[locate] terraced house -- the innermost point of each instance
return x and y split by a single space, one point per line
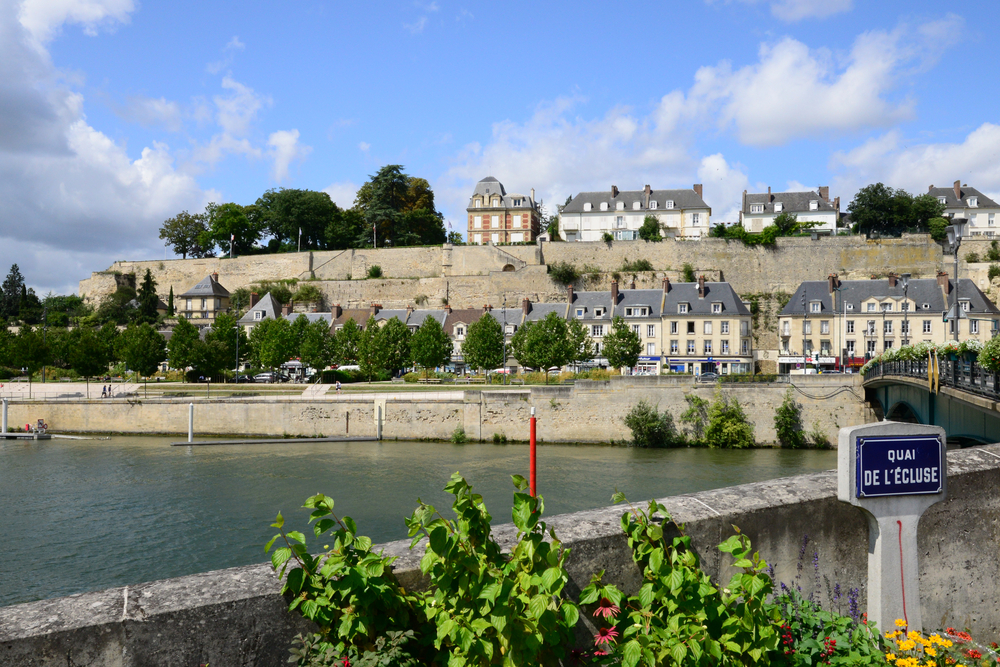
590 215
759 209
961 201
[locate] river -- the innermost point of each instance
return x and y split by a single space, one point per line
91 514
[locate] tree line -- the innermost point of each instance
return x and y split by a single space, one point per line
392 208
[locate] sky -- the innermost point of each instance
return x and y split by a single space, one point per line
118 114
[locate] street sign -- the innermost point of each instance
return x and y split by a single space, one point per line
898 466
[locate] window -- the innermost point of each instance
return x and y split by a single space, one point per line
870 331
807 327
690 327
496 202
620 206
926 306
635 329
905 306
871 346
886 346
871 307
690 347
188 305
258 314
620 222
824 327
650 331
652 204
904 327
786 328
682 308
744 328
459 331
516 220
824 347
927 326
850 326
778 206
674 348
965 306
579 312
708 347
745 347
588 206
943 200
756 208
478 203
673 327
628 312
495 221
494 238
477 238
808 346
635 205
716 308
695 219
887 328
850 306
477 222
850 348
651 349
973 202
598 312
708 328
991 219
814 205
815 307
973 326
887 307
597 349
724 328
203 304
604 206
670 204
596 330
724 347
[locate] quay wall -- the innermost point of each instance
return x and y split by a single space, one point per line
235 617
588 411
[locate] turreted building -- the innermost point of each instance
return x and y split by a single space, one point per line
496 216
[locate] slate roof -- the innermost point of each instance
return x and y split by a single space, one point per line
418 316
714 293
921 291
591 300
792 202
683 199
312 317
540 310
490 186
513 315
267 305
207 287
953 202
359 315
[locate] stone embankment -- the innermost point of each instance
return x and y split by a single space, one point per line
236 617
588 411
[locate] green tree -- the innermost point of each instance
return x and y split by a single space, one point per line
87 353
345 229
210 359
788 423
651 428
10 293
230 223
371 356
299 326
650 229
232 338
316 347
111 339
119 307
181 349
400 208
581 344
272 343
923 209
696 416
787 223
148 300
622 345
345 343
483 347
288 212
544 344
29 307
30 351
170 303
728 426
430 346
143 348
65 310
394 340
183 233
455 238
878 209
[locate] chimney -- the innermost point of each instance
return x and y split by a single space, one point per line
614 293
824 192
532 194
769 194
646 192
375 307
448 309
666 284
487 308
958 190
286 309
942 279
701 286
930 187
409 311
892 279
698 189
836 204
254 298
526 306
569 294
632 285
833 282
215 274
336 311
614 191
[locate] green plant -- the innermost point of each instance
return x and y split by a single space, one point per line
688 272
989 356
374 271
652 428
993 254
696 416
499 438
993 272
607 238
308 294
650 229
564 273
788 423
818 437
679 617
811 635
637 265
458 436
728 426
972 257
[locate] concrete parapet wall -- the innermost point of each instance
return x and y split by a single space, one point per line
236 617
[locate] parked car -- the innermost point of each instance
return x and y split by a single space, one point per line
265 377
708 377
244 378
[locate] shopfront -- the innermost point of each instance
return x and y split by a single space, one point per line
723 366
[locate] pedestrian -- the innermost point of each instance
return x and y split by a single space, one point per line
104 391
338 386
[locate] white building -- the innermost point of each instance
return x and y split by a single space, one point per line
961 201
589 215
759 209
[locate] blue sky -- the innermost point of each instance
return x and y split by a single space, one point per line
116 114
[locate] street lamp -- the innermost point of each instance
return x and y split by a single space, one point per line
906 309
843 322
955 232
805 323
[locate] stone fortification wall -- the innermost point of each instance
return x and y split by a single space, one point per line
585 412
750 270
236 617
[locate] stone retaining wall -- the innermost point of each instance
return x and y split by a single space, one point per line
235 617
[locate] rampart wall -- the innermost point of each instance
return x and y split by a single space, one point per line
235 617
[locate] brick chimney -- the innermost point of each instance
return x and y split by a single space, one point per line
487 308
448 309
646 192
631 285
930 187
666 284
286 309
526 306
892 279
769 194
569 294
701 286
832 282
374 308
409 311
824 192
942 280
614 293
215 274
698 189
254 299
336 311
836 203
958 190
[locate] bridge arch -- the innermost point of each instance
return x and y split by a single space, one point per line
903 412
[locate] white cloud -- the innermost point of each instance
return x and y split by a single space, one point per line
43 18
364 146
235 113
723 187
342 194
149 112
417 26
791 11
229 52
428 6
285 148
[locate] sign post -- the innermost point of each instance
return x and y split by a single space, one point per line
893 472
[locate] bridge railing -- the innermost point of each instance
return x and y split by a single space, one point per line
961 374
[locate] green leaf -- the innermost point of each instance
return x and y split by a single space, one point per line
618 497
646 595
520 483
439 540
538 605
678 652
295 580
570 614
552 576
676 579
297 536
279 522
656 560
267 547
351 526
280 556
631 654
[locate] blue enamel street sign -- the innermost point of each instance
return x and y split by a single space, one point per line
898 465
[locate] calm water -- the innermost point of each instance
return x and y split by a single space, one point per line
85 515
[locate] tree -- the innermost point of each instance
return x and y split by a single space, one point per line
394 340
119 307
287 212
483 347
10 304
878 209
728 426
148 300
787 223
938 228
272 343
400 209
622 345
345 229
86 353
170 303
788 423
30 352
455 238
430 346
183 233
923 209
110 339
316 346
230 223
29 307
143 348
420 227
235 346
299 326
345 343
181 352
545 344
650 229
580 343
371 356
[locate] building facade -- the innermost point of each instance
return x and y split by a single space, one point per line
961 201
825 321
760 209
203 302
498 217
591 215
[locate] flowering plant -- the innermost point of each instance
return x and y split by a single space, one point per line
989 356
952 648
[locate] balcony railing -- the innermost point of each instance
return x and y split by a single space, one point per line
959 373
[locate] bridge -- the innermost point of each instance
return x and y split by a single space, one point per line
958 395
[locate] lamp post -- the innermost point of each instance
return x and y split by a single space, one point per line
805 324
906 309
843 325
955 232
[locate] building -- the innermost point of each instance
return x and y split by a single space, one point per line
759 209
591 215
203 302
961 201
498 217
858 319
266 308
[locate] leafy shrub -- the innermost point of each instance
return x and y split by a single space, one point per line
818 437
607 237
652 428
499 438
993 254
788 423
458 436
688 271
994 271
728 426
564 273
374 271
308 294
989 356
972 257
696 416
637 265
811 635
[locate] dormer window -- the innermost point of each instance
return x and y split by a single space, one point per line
598 312
716 308
604 206
778 206
620 206
635 205
652 204
460 331
756 208
965 305
588 206
943 200
496 202
925 306
670 203
579 312
871 307
815 307
887 307
682 308
478 203
814 205
258 314
973 201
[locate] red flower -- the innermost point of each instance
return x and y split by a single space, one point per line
604 636
606 609
973 653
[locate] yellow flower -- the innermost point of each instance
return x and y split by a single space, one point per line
907 645
890 657
929 651
900 623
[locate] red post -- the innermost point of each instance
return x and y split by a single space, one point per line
531 465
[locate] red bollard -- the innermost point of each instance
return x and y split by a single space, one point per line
531 473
